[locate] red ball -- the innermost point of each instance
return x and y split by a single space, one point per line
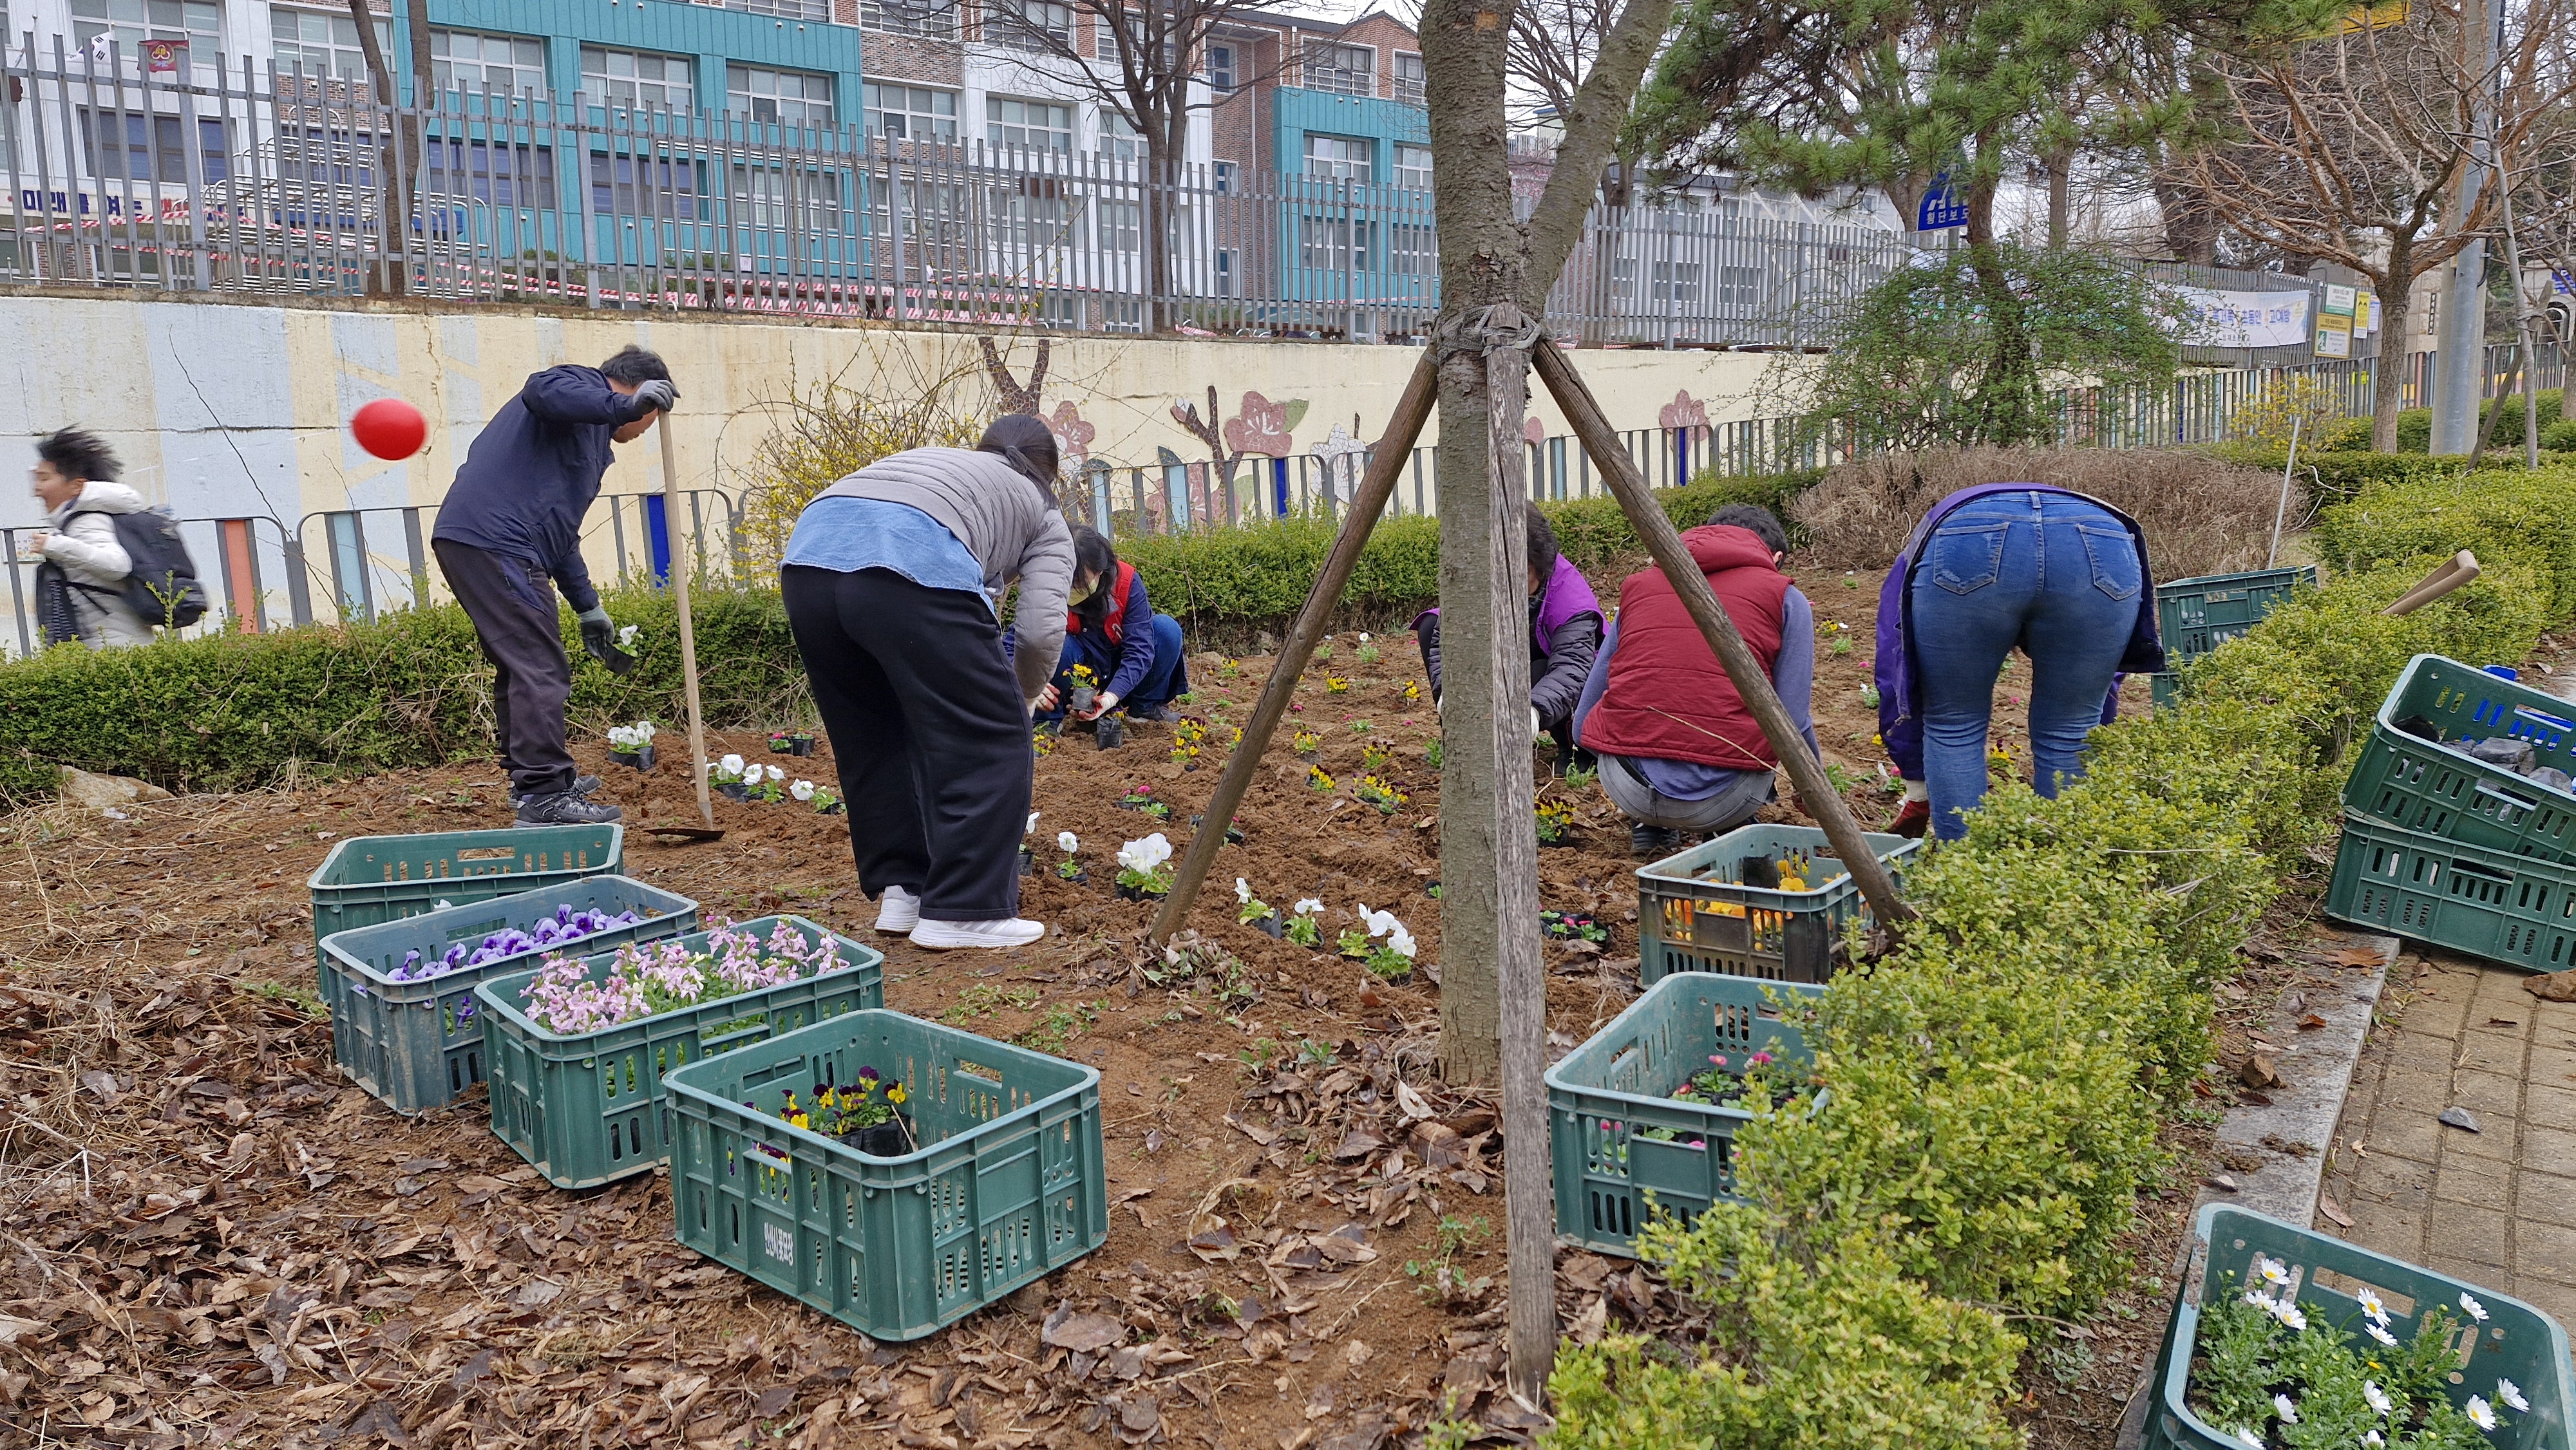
390 428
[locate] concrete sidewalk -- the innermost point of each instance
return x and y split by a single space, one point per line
2496 1207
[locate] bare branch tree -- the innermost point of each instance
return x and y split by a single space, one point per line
2352 149
1142 63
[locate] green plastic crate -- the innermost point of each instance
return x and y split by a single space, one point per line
2517 910
367 880
2195 616
1009 1186
1622 1081
2406 780
419 1044
1693 915
2516 1341
588 1110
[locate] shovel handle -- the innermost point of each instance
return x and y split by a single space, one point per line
2459 569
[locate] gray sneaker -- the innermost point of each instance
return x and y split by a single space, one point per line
565 808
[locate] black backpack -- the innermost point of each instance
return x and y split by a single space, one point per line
162 586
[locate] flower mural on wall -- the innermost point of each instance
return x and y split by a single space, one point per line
1684 411
1342 457
1073 436
1263 426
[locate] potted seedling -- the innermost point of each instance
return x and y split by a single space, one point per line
792 742
1084 690
1317 780
1571 926
1389 960
1233 833
1310 746
1555 823
1111 731
1336 685
827 801
631 745
767 783
1070 868
728 777
1305 924
1028 858
867 1114
1144 869
1187 737
1256 913
1368 651
1375 791
1141 798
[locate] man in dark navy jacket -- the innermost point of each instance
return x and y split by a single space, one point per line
510 524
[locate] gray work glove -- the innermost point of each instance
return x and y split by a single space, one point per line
655 395
599 636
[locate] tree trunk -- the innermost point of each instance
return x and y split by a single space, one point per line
387 279
2060 195
2191 233
2006 411
2388 374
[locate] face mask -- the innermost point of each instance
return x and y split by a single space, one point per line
1082 591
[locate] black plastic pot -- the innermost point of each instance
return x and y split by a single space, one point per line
634 759
798 744
1080 698
885 1140
1130 893
1028 862
1079 878
834 809
1400 979
1233 834
733 790
1272 926
1113 732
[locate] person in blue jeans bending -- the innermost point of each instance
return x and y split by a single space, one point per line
2061 576
1132 653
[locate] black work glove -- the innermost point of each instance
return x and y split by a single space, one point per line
599 637
655 395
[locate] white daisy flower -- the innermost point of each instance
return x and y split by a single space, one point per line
2373 1305
2481 1414
2248 1437
2272 1270
2477 1311
2372 1439
2286 1408
2380 1333
2378 1398
2511 1394
2290 1314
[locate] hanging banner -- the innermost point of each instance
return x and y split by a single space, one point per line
2247 319
161 57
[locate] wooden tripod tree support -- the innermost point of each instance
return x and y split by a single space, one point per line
1377 485
1664 541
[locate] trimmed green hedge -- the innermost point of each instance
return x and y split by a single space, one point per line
232 710
1985 1103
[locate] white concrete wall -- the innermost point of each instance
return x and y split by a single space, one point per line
222 410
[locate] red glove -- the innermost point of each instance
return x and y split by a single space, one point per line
1912 821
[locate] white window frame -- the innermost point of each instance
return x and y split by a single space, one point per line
1412 89
604 92
1028 24
1412 178
445 37
1224 82
204 42
1337 72
742 98
1057 132
340 61
934 19
1361 170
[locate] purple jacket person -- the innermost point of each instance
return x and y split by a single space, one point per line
1565 633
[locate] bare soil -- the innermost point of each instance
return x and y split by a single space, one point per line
208 1237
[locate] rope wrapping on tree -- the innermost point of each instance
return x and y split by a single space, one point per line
1489 329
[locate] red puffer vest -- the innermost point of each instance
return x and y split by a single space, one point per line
1113 622
1667 697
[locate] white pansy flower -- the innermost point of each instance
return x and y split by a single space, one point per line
1145 855
2481 1414
1379 922
1363 636
777 772
1309 906
2378 1397
2511 1394
626 637
1032 825
2380 1333
2286 1408
1400 942
1067 842
1242 891
803 790
2477 1311
730 765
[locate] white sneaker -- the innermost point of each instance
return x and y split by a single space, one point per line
898 911
1012 932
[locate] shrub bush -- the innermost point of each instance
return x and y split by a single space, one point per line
2202 515
1985 1100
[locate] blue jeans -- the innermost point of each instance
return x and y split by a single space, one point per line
1163 679
2057 577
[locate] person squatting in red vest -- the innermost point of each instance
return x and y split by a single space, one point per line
1132 653
1565 632
1679 751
